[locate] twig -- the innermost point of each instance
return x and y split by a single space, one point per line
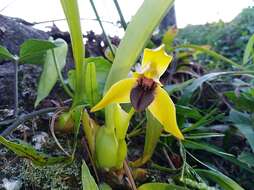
16 90
183 154
52 126
102 28
129 175
169 160
63 19
23 118
123 23
7 5
164 169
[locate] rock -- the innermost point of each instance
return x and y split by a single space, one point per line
14 32
11 184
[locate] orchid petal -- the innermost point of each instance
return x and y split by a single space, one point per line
163 109
155 62
118 93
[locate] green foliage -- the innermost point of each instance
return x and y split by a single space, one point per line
54 60
243 101
106 148
72 15
104 186
196 116
5 54
133 42
91 85
225 182
153 133
247 157
25 150
34 51
160 186
102 69
248 56
243 122
88 182
229 39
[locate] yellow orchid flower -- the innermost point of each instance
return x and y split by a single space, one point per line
144 90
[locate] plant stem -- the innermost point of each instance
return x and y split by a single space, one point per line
23 118
16 91
123 23
164 169
129 175
67 90
183 154
102 28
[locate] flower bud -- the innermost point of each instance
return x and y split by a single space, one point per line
65 122
106 148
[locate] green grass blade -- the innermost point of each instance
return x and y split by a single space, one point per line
225 182
249 51
160 186
210 53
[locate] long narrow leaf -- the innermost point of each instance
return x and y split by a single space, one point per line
153 132
25 150
88 181
209 52
137 34
160 186
225 182
72 15
188 91
249 51
215 150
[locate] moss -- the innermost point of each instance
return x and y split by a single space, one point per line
51 177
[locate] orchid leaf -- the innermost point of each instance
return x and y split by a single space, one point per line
88 182
49 76
71 12
91 87
225 182
26 150
133 42
160 186
102 69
